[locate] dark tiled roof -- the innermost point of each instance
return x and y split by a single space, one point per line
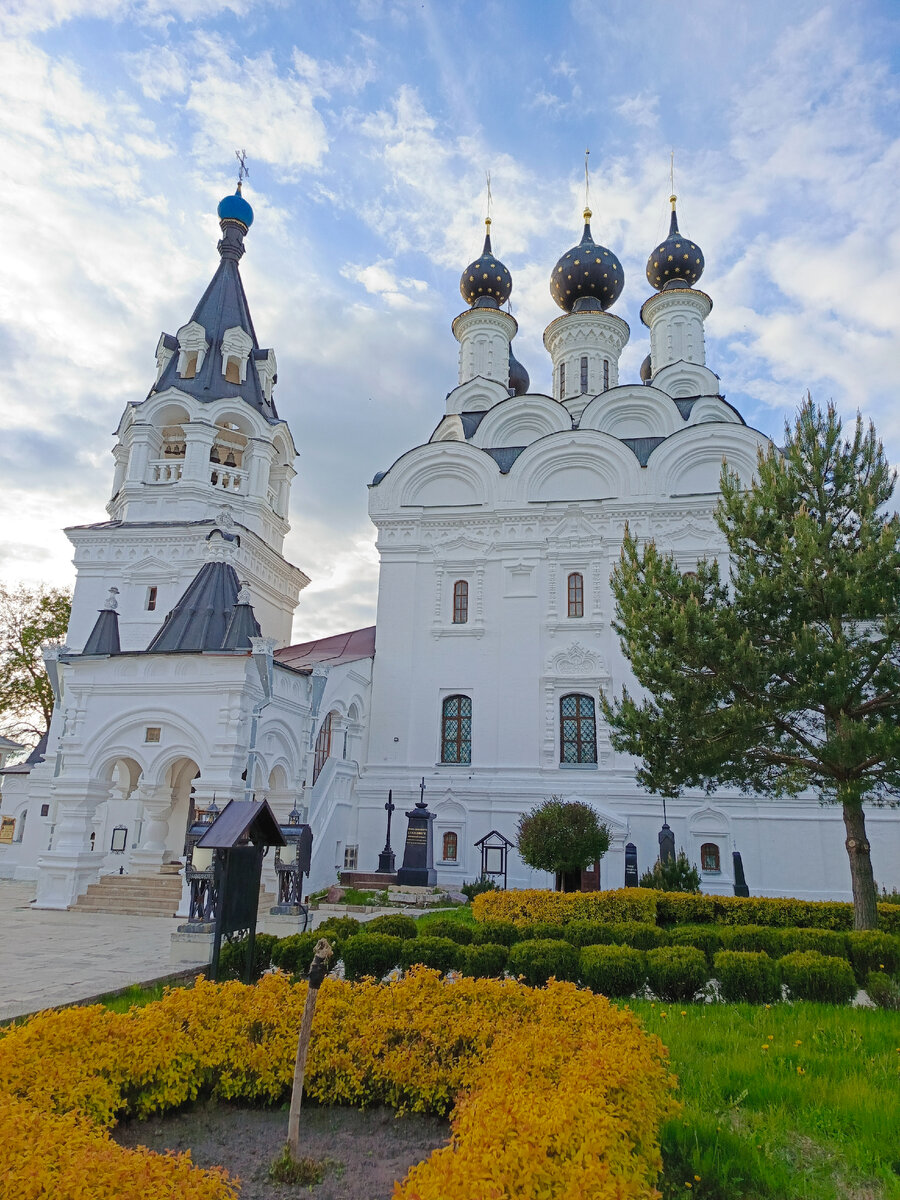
207 615
471 421
642 447
338 648
504 456
104 637
35 757
222 306
685 406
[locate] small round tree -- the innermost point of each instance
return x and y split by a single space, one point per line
563 837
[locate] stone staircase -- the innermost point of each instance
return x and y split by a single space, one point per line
133 895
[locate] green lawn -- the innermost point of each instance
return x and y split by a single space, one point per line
793 1101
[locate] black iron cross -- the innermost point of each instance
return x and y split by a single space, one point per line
422 791
390 806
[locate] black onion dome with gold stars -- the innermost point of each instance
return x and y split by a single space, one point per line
676 262
587 276
486 277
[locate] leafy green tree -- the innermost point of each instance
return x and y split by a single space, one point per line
783 674
29 617
561 836
676 875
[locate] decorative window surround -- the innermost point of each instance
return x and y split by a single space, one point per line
455 562
573 669
191 340
236 344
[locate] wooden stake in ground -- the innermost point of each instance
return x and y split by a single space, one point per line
317 972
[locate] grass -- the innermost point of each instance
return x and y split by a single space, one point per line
792 1102
300 1172
462 914
137 997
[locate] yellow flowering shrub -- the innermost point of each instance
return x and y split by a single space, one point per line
552 1087
671 908
558 908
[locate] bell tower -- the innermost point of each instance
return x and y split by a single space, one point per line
203 468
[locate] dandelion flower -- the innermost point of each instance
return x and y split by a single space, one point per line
800 1071
684 1012
771 1037
764 1046
696 1178
798 1042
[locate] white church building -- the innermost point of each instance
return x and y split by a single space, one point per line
493 644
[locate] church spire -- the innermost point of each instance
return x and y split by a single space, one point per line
217 354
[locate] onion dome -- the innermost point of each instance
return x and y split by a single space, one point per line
486 283
588 277
236 208
519 379
676 262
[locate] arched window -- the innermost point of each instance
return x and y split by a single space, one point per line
323 747
709 857
450 847
460 602
576 594
562 381
577 730
456 729
584 374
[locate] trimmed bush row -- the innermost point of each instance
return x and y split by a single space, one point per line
671 908
672 972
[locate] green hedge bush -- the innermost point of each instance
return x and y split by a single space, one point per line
826 941
543 931
814 976
371 954
590 933
442 928
337 930
613 970
539 958
676 972
707 938
753 939
873 950
441 953
639 935
484 961
883 991
232 956
747 975
394 925
502 933
294 954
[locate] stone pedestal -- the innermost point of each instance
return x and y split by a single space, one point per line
418 854
70 866
192 944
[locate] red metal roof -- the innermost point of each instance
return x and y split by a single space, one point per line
339 648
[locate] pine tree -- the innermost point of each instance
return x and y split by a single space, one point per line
783 675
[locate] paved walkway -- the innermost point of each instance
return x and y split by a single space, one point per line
51 958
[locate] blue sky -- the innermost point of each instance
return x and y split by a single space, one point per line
369 127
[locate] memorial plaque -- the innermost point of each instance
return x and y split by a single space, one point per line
631 870
418 854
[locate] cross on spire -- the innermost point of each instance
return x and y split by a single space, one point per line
243 169
490 198
587 180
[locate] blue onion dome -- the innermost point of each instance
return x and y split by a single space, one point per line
676 262
486 283
588 277
519 379
236 208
